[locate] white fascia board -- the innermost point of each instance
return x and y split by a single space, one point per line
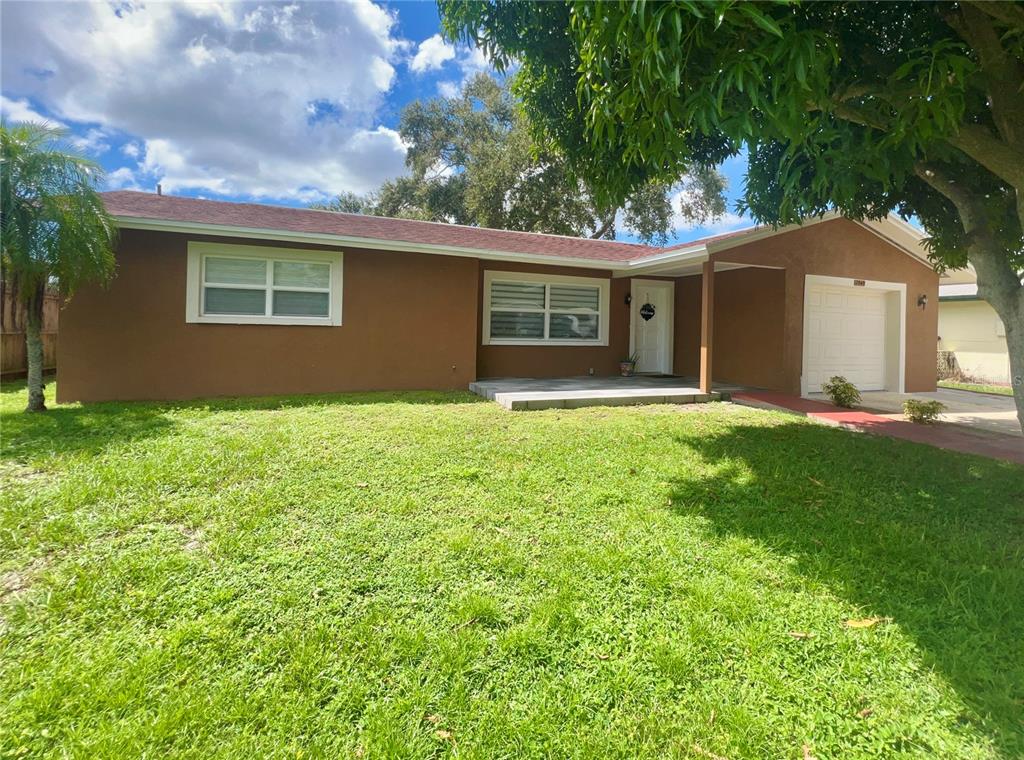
163 225
660 261
901 234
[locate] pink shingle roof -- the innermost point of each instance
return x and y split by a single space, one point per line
130 204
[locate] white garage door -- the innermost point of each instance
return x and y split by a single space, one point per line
845 336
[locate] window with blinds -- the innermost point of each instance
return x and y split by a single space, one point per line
260 287
535 310
242 284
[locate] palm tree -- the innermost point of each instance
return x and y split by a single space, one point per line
54 229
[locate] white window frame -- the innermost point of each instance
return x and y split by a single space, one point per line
602 284
198 252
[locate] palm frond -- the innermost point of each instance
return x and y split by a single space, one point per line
53 224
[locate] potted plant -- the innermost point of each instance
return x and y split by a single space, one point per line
628 365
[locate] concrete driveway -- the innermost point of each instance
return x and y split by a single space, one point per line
979 411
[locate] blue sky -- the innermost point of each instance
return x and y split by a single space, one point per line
284 103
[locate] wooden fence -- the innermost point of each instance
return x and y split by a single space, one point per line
13 356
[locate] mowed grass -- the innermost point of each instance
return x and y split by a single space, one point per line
1001 390
427 575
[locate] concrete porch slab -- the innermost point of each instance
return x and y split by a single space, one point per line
523 393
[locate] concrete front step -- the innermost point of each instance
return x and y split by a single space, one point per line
523 397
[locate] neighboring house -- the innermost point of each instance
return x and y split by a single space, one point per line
971 330
215 299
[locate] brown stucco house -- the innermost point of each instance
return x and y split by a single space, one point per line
222 299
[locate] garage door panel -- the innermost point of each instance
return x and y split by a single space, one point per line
845 336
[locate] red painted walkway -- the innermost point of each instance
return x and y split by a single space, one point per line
941 435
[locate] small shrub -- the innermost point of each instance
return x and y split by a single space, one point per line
922 412
841 391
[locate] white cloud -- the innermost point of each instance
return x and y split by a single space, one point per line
728 222
473 60
93 141
19 109
217 97
448 89
432 54
470 62
122 179
725 223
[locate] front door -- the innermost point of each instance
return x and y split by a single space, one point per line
652 303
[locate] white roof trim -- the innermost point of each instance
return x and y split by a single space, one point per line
899 233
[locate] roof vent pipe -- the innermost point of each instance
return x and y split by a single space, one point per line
159 190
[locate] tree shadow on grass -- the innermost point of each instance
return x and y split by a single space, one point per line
93 428
932 539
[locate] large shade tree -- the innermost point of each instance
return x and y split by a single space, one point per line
857 106
472 161
54 229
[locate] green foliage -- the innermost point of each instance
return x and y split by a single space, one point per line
346 576
839 104
921 411
348 203
863 107
473 161
55 228
841 392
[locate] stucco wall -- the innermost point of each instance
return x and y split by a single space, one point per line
557 361
748 319
841 248
409 321
414 321
970 329
686 355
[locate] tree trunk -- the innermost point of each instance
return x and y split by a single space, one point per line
1006 296
1015 346
999 283
606 226
34 349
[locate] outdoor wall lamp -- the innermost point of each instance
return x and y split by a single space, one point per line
922 301
629 298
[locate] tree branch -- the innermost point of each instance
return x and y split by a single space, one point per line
605 227
1001 72
1008 13
850 113
995 155
998 283
947 187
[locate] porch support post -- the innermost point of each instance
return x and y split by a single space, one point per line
707 310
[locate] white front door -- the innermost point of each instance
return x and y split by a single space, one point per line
846 335
652 304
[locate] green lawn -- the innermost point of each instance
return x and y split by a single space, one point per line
1002 390
424 575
